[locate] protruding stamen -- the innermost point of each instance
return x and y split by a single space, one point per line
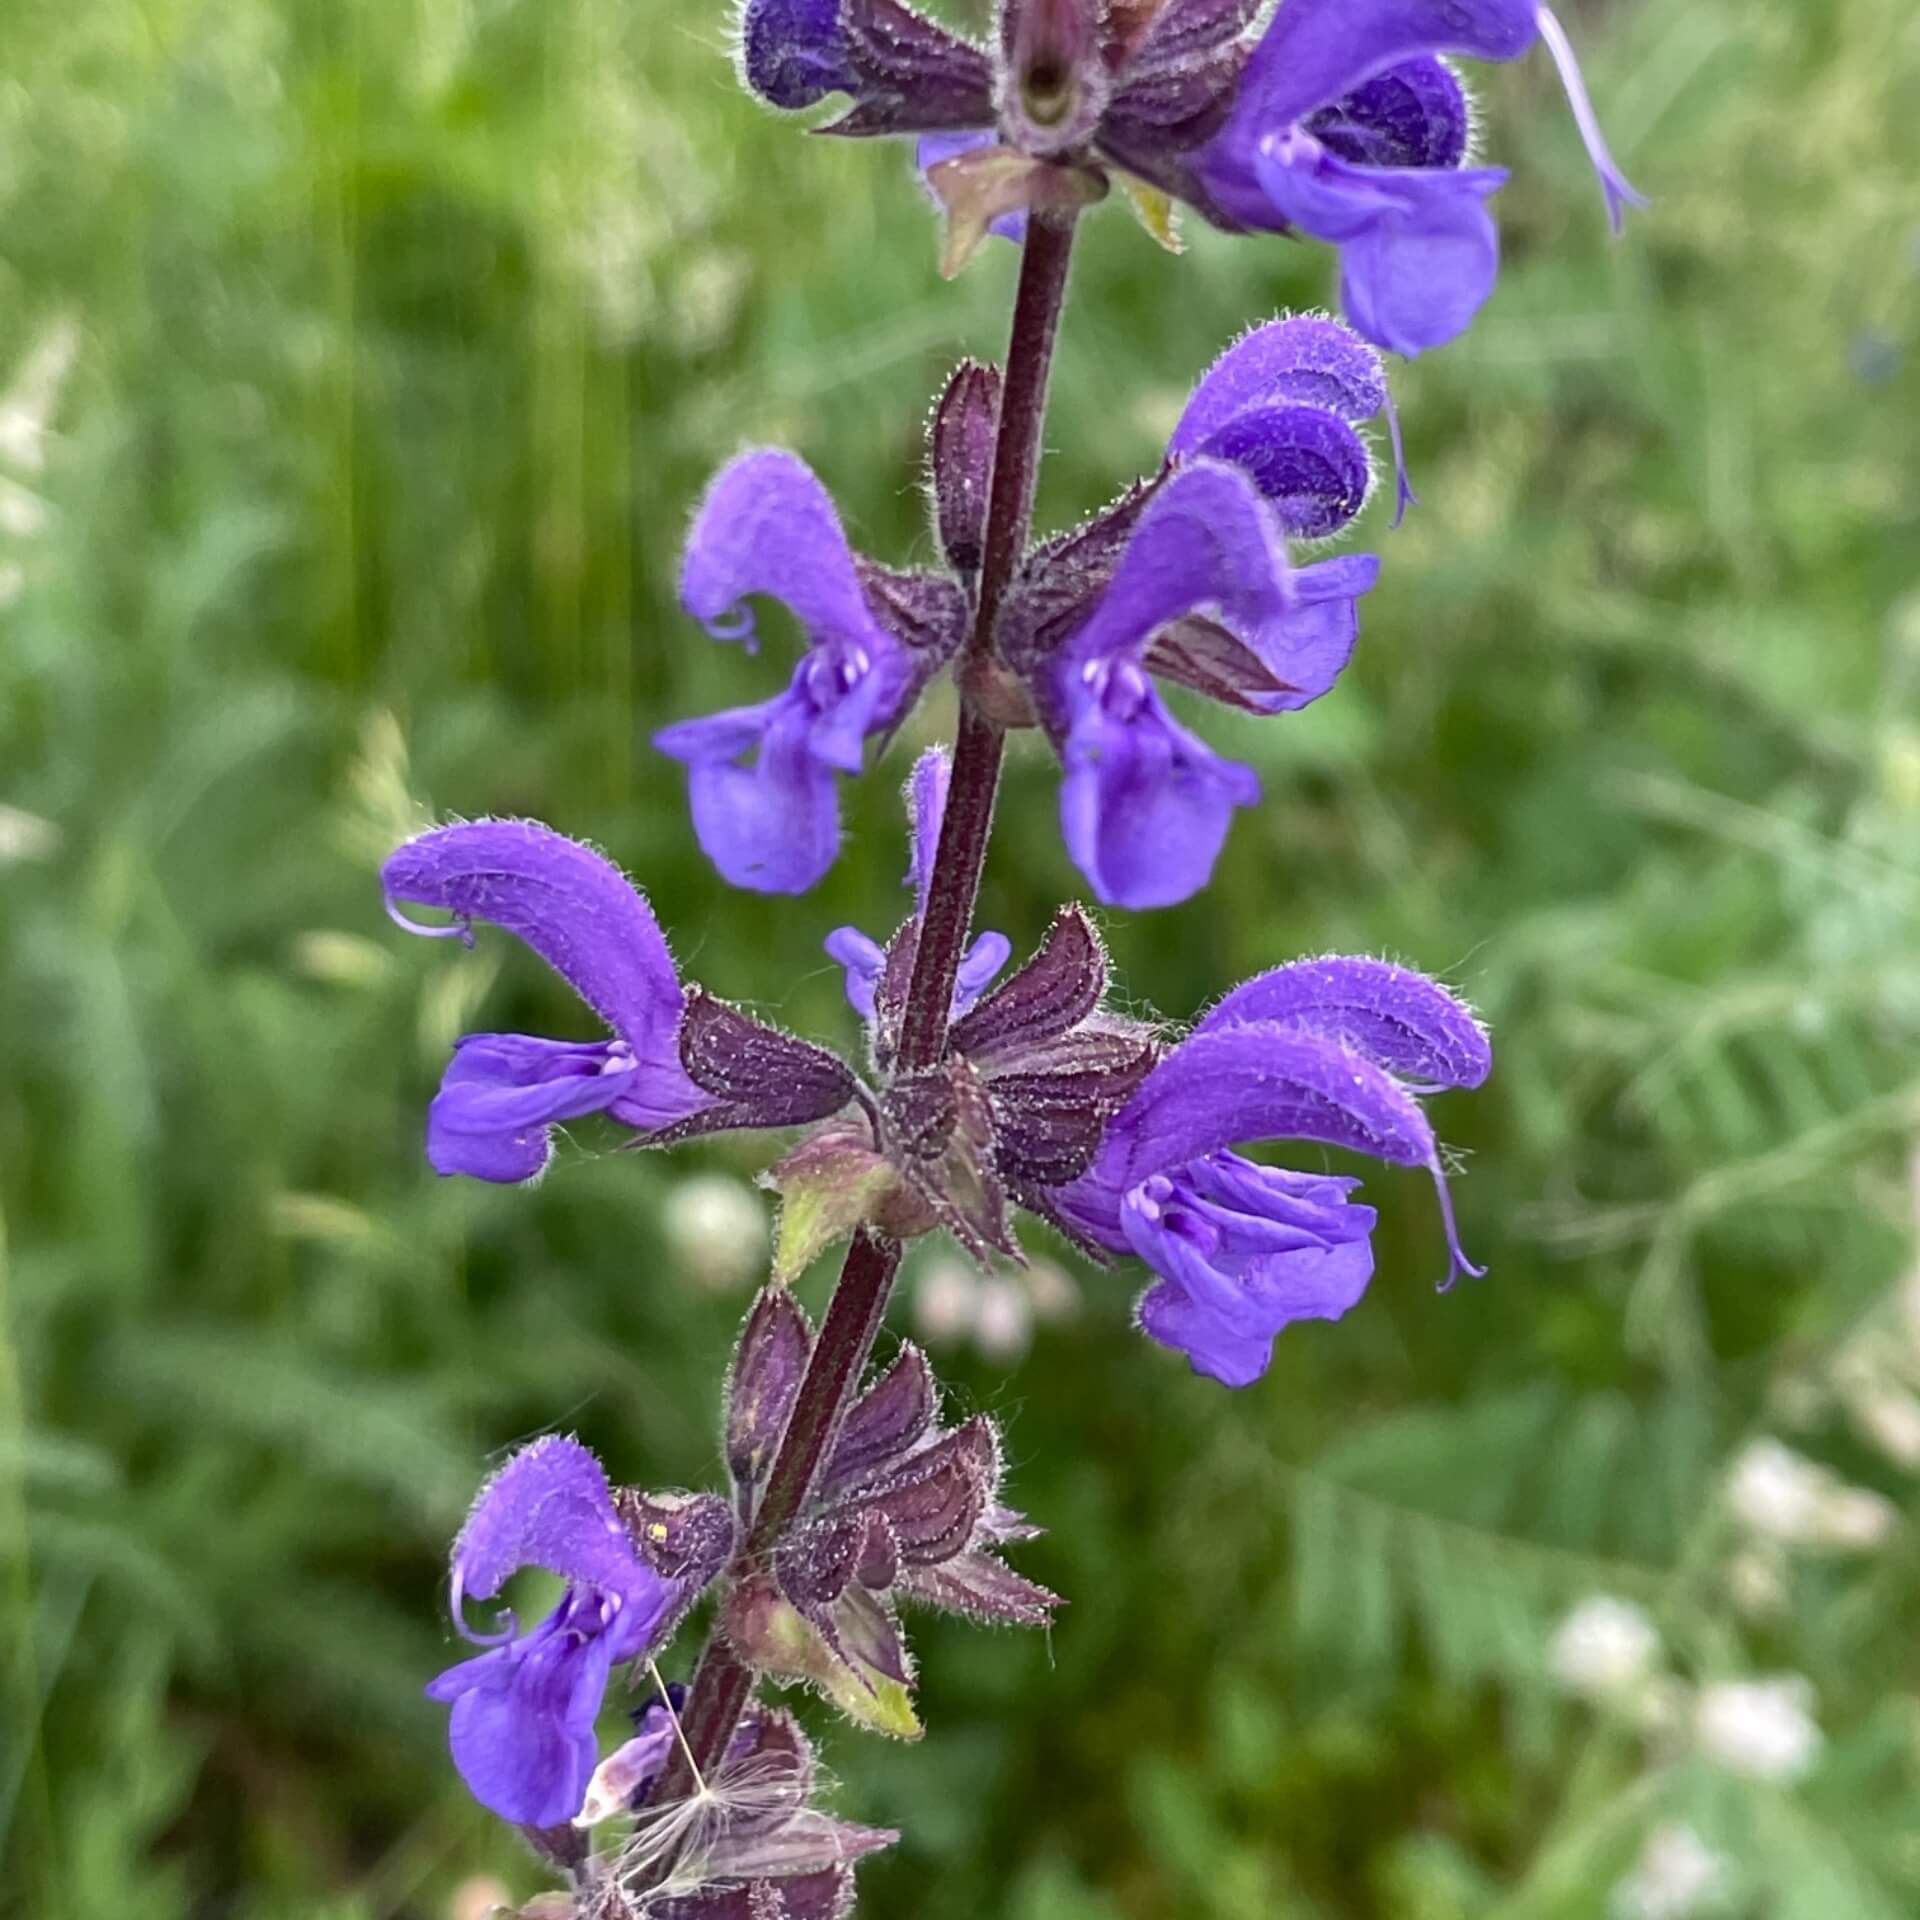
1404 495
1620 191
460 929
457 1605
735 624
1457 1261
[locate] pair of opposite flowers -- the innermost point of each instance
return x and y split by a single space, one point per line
1089 1120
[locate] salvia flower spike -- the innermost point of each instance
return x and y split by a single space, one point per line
987 1091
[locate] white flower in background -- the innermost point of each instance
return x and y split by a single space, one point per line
1604 1650
1782 1495
27 406
1002 1318
954 1303
1676 1877
481 1898
1858 1520
1889 1417
1053 1291
1776 1492
1762 1729
716 1231
23 835
946 1301
1756 1579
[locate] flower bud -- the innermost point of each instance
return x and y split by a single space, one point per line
960 443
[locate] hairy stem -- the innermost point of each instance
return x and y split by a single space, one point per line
968 823
722 1684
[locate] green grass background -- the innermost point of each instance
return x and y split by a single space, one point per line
403 335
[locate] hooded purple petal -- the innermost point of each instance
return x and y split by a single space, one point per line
1318 51
1242 1080
1312 466
573 907
768 526
549 1507
1306 359
501 1092
793 53
1259 1081
1399 1019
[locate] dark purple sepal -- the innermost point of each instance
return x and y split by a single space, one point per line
891 1417
817 1896
1052 993
1179 32
938 1132
1050 1113
758 1076
926 611
1182 72
768 1365
960 443
1059 581
1201 654
933 1502
819 1559
977 1585
908 74
681 1536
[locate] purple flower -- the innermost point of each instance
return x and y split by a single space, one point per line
1331 1050
1187 579
1202 592
523 1712
1348 126
681 1061
761 778
503 1093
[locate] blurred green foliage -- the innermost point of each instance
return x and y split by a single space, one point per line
384 346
